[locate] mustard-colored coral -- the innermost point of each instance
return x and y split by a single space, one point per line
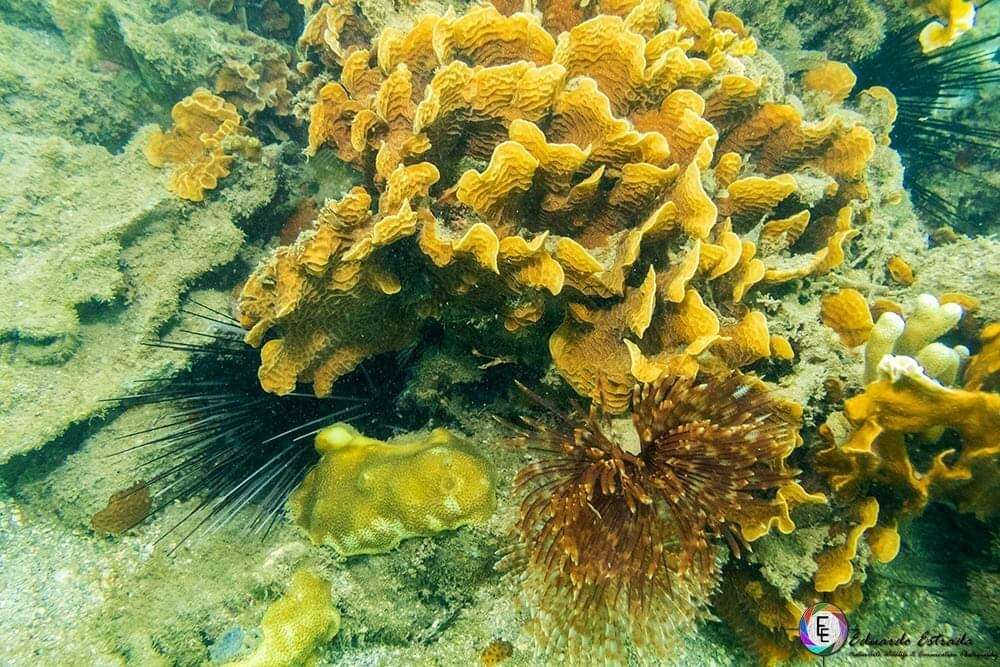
913 404
620 166
956 18
296 624
847 313
911 397
983 372
908 400
365 496
832 78
900 270
194 145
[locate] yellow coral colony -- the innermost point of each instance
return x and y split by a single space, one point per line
634 166
365 496
295 625
958 17
194 146
910 380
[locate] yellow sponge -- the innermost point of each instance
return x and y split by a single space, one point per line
296 624
365 496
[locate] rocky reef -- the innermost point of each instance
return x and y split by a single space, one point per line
753 376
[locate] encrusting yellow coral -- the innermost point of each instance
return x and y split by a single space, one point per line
295 625
194 145
621 166
907 399
958 15
365 496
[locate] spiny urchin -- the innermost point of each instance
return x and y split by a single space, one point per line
941 127
230 445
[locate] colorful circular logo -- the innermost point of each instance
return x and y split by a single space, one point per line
823 629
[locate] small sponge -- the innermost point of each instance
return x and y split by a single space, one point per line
366 496
296 624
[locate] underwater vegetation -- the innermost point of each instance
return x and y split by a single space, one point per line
678 261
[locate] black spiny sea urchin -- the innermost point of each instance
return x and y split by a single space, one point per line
941 130
230 445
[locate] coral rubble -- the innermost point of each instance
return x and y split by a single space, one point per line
365 495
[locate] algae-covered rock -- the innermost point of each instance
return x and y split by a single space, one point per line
188 50
94 253
365 496
846 30
48 92
94 71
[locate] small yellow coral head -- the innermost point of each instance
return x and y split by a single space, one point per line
295 625
365 496
958 15
194 146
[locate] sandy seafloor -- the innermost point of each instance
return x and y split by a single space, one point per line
97 256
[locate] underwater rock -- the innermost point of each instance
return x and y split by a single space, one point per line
844 30
47 91
125 509
365 496
96 254
174 56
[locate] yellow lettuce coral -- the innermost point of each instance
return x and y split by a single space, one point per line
912 403
365 496
622 166
194 145
907 400
296 624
